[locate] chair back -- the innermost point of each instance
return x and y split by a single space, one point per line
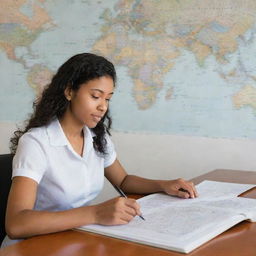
5 184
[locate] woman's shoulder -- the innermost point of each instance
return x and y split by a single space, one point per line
36 134
32 143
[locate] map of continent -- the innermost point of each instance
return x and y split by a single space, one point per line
184 67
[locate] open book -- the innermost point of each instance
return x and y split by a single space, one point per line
184 224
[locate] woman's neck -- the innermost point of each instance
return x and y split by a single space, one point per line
70 126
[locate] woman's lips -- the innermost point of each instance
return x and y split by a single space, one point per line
96 118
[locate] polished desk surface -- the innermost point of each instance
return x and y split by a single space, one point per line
237 241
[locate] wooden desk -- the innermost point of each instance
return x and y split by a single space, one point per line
237 241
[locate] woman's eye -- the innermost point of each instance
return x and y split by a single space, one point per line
108 100
95 97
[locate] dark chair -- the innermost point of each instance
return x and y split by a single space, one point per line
5 184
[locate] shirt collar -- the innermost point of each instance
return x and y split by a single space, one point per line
58 138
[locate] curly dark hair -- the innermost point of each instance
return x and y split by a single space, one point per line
77 70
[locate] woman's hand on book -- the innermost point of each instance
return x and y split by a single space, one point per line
116 211
180 188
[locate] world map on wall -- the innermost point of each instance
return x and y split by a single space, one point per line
185 67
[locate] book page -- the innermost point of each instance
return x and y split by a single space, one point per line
207 190
153 202
215 189
241 205
183 222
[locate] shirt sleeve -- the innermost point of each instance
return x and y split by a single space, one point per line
29 160
110 155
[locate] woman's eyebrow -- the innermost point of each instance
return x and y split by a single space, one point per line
101 91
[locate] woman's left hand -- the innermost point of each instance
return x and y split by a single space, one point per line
180 188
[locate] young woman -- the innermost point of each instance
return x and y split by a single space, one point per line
64 152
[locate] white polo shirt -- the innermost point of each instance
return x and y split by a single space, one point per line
65 179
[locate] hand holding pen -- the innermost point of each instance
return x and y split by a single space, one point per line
116 211
120 191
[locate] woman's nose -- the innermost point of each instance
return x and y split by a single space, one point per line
103 106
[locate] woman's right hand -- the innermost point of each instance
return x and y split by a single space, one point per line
116 211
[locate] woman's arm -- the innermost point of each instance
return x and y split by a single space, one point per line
134 184
22 221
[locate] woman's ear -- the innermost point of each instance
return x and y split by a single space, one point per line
68 93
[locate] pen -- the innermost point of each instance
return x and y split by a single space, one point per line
120 191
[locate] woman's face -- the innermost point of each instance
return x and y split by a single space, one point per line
90 103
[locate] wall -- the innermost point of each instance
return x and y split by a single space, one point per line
169 156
